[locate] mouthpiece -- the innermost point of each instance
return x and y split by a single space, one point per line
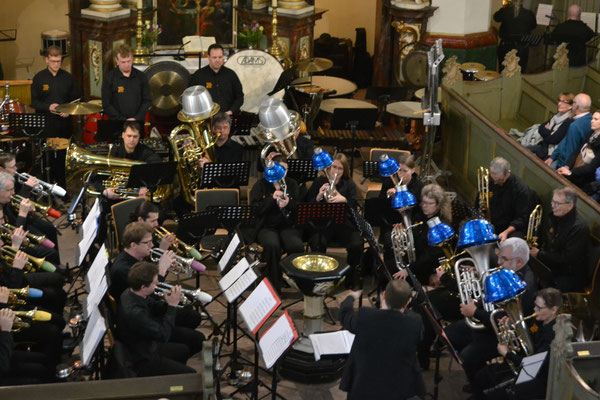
53 213
47 243
195 254
198 266
34 293
42 316
48 267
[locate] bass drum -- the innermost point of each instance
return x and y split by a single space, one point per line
258 71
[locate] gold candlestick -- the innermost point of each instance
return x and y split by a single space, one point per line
275 49
140 54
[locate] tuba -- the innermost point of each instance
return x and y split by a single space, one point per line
80 163
483 187
535 218
278 128
193 139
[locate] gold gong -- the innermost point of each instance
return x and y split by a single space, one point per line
315 263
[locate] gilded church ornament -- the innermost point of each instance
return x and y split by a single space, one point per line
511 64
561 57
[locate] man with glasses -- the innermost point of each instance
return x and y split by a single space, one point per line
565 242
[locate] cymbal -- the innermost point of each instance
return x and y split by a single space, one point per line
314 65
78 108
97 102
167 81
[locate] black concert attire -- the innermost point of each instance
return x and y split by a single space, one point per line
383 360
156 346
275 230
564 250
576 34
126 97
224 87
494 374
345 234
583 168
229 152
19 367
305 148
512 30
550 137
510 205
186 317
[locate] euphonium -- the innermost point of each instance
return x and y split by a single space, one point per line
31 240
180 246
40 210
483 187
400 245
33 263
535 218
188 148
331 192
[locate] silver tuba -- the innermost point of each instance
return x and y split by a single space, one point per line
278 127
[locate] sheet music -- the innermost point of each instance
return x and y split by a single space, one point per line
542 11
95 296
259 306
589 19
97 270
197 44
229 252
94 332
277 339
240 285
338 342
530 367
88 232
234 274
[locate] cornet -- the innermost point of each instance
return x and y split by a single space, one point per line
15 294
194 295
43 187
181 265
31 240
331 192
180 246
39 209
33 263
33 315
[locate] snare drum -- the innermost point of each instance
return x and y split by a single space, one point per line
56 143
469 70
485 76
55 38
258 72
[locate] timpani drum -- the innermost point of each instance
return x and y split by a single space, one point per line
410 113
486 76
258 72
421 92
469 70
332 86
55 38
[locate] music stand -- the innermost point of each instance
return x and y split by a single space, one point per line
225 175
193 227
301 171
354 118
30 125
371 170
331 213
151 176
378 212
231 217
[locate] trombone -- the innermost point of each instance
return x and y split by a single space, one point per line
33 263
180 247
535 218
40 210
31 240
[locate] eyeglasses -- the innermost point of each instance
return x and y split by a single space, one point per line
558 203
536 307
146 242
564 101
502 259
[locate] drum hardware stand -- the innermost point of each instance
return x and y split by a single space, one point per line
352 125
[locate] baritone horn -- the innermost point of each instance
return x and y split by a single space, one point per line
535 219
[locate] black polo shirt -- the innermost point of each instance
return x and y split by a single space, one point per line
126 97
224 87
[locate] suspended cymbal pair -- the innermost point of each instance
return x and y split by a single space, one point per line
314 64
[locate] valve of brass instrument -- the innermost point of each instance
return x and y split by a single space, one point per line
33 263
31 240
40 210
180 247
33 315
20 296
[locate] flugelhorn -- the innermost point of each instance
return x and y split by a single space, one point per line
535 218
195 295
15 296
331 192
180 246
33 315
33 263
39 209
31 240
42 187
181 265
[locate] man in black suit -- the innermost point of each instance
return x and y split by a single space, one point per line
515 22
383 361
576 34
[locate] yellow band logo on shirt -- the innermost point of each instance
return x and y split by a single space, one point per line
45 87
209 85
120 89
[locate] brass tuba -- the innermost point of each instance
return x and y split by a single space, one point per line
193 139
80 163
483 187
535 218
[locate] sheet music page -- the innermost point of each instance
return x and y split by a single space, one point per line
338 342
277 339
197 44
240 285
88 232
589 19
530 367
97 269
94 332
542 11
95 296
229 252
259 306
233 274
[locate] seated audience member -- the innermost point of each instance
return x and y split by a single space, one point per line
345 234
548 303
565 242
581 166
380 365
155 344
577 133
554 130
275 230
510 201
